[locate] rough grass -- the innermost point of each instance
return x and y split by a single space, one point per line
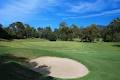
102 59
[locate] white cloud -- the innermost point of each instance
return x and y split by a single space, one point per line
117 11
87 6
95 6
18 8
21 9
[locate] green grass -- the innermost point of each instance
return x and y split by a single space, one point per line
102 59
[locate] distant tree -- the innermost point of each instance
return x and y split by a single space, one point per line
85 36
90 33
45 32
17 30
48 28
52 36
70 34
3 33
65 33
28 31
112 32
76 31
40 32
1 25
56 31
34 33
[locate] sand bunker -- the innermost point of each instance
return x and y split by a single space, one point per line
62 67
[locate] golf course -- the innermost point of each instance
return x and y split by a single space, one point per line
59 39
102 59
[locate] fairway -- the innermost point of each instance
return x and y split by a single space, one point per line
102 59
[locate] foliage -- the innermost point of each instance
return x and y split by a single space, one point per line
19 30
112 32
52 36
4 34
65 33
91 33
76 31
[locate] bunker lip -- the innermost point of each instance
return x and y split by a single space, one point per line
64 68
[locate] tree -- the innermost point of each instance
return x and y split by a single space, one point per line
56 31
40 32
90 33
112 32
65 33
70 34
52 36
44 32
17 30
76 31
34 33
28 31
3 33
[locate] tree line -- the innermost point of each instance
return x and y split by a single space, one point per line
108 33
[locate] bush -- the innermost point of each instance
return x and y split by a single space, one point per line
52 37
63 37
116 37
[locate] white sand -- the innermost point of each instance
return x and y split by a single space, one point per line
62 67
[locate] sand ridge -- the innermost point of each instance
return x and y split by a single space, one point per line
62 67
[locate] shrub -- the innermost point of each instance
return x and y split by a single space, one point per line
52 37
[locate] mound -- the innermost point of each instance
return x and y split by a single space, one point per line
62 67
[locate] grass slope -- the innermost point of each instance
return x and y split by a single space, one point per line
102 59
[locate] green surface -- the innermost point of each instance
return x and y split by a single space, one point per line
102 59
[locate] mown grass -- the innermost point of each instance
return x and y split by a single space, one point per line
102 59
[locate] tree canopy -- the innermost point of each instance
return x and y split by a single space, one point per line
19 30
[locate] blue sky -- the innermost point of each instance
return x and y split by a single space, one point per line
39 13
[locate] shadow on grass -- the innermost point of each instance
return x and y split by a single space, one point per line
43 69
2 46
9 57
6 40
13 68
117 45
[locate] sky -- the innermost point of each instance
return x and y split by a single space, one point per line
41 13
